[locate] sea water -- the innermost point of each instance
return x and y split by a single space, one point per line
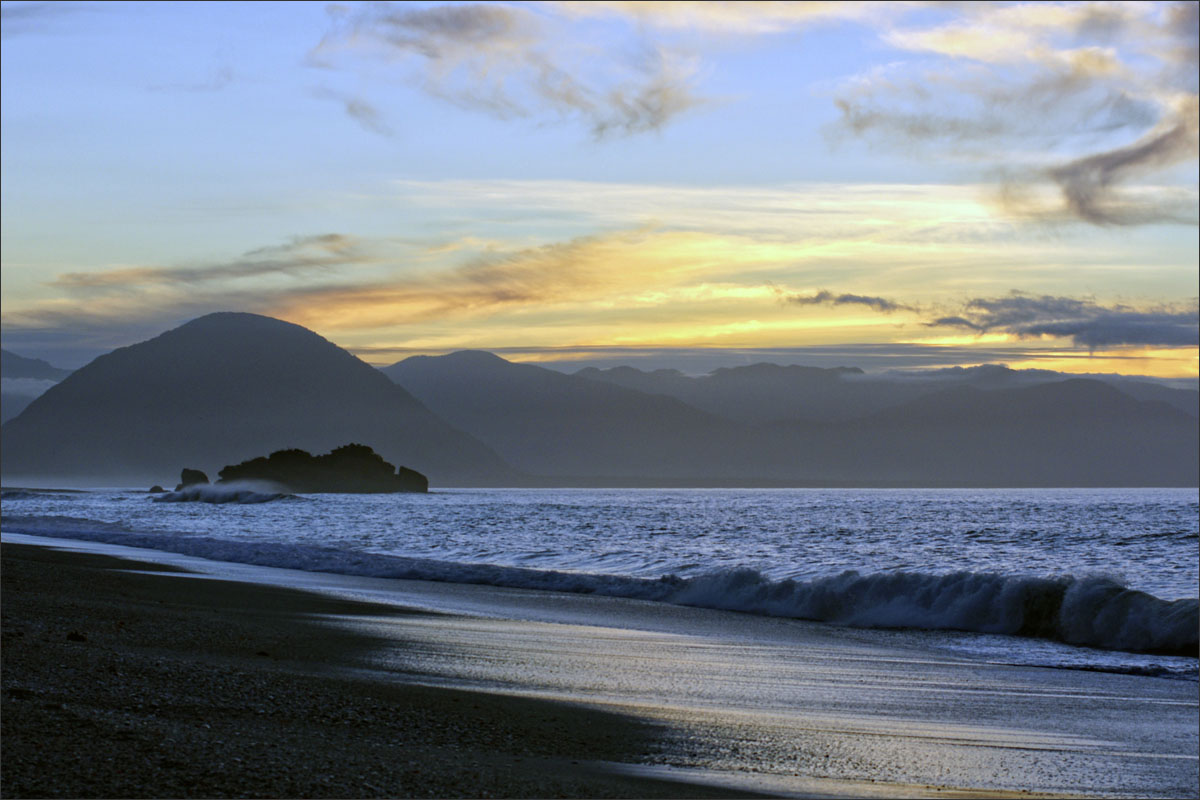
1080 578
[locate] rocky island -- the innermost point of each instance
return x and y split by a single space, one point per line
352 468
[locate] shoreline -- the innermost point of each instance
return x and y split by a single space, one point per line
120 684
529 693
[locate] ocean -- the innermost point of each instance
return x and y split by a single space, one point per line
1102 579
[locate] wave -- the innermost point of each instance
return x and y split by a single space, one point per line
19 494
33 494
1093 611
237 492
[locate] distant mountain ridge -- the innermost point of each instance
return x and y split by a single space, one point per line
221 389
770 425
762 393
15 366
23 379
228 387
1077 432
547 423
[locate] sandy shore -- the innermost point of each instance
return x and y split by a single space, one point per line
135 684
118 684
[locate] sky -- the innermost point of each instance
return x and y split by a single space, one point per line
691 185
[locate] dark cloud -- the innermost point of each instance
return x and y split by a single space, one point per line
1088 184
955 322
1124 328
824 297
508 62
1085 322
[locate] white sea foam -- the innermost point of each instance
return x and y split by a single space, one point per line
233 492
1095 611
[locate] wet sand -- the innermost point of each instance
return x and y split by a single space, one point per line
120 684
188 686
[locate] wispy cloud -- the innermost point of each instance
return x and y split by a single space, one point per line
358 109
1107 91
569 274
299 255
828 298
340 281
724 17
1087 323
513 62
1089 184
1084 98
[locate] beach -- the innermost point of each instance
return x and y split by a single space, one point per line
136 678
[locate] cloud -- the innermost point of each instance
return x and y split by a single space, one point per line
1088 183
575 272
1087 323
22 18
1024 316
512 62
358 110
299 255
723 17
1081 99
341 281
824 297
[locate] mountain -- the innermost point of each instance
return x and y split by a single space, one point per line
564 427
922 432
22 379
221 389
997 376
1186 400
765 393
15 366
1077 432
228 387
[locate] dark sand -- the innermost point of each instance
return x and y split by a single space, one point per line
119 684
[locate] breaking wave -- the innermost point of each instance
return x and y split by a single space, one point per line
1093 611
236 492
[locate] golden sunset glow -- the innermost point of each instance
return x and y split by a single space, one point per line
930 183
